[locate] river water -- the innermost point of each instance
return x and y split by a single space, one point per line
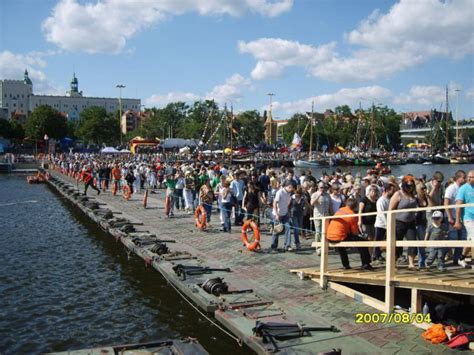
65 285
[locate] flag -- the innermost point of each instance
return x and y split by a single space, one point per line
296 143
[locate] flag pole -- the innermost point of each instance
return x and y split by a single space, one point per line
311 131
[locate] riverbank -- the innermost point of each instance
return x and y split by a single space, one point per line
277 296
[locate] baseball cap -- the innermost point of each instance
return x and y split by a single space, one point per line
437 214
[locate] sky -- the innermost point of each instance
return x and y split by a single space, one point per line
402 54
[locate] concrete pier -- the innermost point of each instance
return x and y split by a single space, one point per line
276 295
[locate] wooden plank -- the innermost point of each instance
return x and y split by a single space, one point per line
391 263
401 243
358 296
415 301
400 211
324 254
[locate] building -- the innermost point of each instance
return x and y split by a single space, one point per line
17 98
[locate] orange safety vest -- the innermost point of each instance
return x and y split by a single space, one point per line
340 228
116 173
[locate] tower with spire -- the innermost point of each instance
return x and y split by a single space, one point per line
26 78
74 92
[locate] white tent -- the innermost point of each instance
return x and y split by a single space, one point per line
109 150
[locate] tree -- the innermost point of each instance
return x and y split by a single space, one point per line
298 123
46 120
201 121
248 128
96 126
5 128
17 131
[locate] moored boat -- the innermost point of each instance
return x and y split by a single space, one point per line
441 159
306 164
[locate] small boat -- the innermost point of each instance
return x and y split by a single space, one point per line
306 164
184 346
440 159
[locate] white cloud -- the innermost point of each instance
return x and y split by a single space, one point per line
274 54
266 69
422 95
231 90
12 66
411 33
427 27
346 96
162 100
470 93
105 26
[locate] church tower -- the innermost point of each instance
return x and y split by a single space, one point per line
74 92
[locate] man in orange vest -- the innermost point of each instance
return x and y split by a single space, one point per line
346 229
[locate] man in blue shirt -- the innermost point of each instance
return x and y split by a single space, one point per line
465 215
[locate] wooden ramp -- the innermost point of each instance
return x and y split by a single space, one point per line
455 280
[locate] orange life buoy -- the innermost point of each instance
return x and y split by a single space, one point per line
126 193
255 245
167 205
201 217
145 199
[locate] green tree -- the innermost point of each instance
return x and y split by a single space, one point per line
5 128
17 131
46 120
202 121
248 128
387 128
96 126
298 123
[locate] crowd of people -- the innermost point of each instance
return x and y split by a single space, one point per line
287 203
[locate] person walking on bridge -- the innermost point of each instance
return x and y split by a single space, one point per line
86 176
466 215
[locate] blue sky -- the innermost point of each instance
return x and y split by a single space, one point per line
334 52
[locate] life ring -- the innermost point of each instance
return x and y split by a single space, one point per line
167 205
126 193
114 188
201 217
145 198
255 245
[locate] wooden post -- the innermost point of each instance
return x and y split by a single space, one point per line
391 260
324 254
415 301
